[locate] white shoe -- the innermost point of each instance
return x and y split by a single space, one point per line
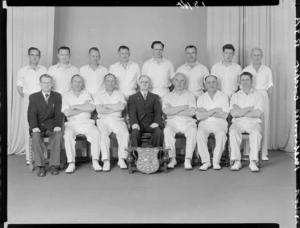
216 166
71 168
122 164
172 163
96 165
205 166
236 166
253 167
187 164
106 166
265 158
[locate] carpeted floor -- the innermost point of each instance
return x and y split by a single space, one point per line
178 196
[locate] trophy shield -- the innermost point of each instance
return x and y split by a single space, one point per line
147 160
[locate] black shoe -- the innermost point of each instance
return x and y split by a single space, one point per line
42 172
54 170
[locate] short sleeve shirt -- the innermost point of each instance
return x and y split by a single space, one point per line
103 97
174 99
29 79
194 76
262 80
93 78
69 99
243 100
228 76
62 77
127 77
220 100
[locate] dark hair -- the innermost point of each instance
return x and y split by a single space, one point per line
109 74
64 48
123 47
157 42
34 48
75 75
210 76
190 46
228 46
45 76
247 74
94 49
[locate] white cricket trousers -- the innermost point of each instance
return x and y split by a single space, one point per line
92 134
219 129
116 125
188 128
235 139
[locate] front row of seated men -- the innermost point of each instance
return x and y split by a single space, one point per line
145 115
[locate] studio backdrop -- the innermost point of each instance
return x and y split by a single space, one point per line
269 27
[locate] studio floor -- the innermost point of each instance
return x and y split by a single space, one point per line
178 196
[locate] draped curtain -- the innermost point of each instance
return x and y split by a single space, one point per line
26 27
272 29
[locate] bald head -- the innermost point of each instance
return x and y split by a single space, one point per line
179 81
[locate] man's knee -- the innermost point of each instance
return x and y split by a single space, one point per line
135 133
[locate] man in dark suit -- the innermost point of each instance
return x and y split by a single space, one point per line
145 114
45 119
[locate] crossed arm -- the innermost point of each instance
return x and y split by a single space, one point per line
77 109
110 108
182 110
202 113
237 112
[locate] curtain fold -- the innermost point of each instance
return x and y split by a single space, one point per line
272 29
26 27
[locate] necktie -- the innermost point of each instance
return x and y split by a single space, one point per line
145 96
46 97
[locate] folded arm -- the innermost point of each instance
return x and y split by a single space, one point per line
240 112
202 113
187 112
170 110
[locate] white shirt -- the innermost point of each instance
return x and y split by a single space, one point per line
220 100
228 76
93 79
195 76
62 77
243 101
160 74
69 99
262 80
174 99
127 77
29 78
103 97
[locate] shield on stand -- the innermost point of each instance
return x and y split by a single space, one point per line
147 160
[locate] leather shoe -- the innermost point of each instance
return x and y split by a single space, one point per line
42 172
54 170
253 167
205 166
172 163
187 164
236 166
106 166
122 164
216 166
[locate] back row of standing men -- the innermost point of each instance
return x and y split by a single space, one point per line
159 69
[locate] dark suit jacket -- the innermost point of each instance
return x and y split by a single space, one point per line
144 112
42 115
